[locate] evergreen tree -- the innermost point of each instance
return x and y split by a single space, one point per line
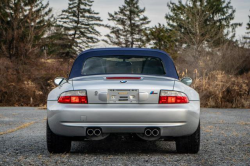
23 23
130 25
247 37
79 21
160 37
57 43
200 22
248 26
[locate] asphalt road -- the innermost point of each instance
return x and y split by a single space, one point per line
225 140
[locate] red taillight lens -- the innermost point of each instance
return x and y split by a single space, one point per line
73 97
172 97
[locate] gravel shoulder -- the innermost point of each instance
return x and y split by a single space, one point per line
225 140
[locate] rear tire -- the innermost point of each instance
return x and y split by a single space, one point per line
189 144
56 143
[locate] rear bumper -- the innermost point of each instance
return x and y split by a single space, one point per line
173 120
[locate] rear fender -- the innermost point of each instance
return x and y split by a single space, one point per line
190 92
55 93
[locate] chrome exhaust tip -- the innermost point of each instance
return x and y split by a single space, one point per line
97 132
90 132
155 132
148 132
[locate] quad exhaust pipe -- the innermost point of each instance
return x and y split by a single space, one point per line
97 132
94 132
154 132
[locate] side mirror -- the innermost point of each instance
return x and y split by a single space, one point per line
187 80
58 80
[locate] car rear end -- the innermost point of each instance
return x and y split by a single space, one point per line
151 107
129 107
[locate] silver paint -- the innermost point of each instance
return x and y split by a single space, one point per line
172 119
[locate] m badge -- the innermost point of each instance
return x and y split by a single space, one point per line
153 93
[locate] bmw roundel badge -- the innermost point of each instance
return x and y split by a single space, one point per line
123 81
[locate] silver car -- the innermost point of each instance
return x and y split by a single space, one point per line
123 91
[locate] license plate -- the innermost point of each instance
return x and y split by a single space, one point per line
123 95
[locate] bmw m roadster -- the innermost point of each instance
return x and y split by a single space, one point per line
123 91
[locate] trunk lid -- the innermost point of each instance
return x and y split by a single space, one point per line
102 89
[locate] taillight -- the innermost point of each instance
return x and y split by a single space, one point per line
172 97
74 97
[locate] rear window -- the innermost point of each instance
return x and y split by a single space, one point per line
123 65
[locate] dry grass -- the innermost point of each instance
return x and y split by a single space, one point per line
28 84
243 123
220 90
208 129
17 128
44 107
220 75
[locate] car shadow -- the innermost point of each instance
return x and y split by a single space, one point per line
116 147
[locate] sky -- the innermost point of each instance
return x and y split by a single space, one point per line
155 11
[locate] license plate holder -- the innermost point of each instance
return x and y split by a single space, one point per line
123 96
